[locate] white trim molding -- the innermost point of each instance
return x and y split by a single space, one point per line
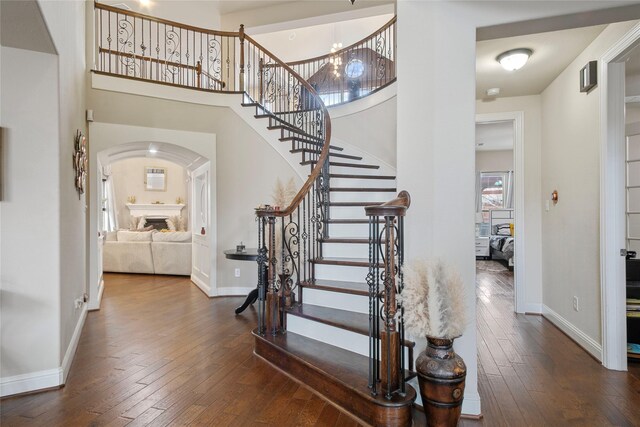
24 383
73 345
582 339
204 287
235 291
521 305
94 304
612 201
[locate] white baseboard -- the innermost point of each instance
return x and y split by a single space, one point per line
204 287
533 308
234 291
73 345
583 340
49 378
471 404
29 382
95 304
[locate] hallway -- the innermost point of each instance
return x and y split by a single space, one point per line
161 353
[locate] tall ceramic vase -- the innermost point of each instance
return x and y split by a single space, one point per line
441 375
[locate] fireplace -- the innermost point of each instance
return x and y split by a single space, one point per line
158 223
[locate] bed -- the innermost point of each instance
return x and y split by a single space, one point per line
501 242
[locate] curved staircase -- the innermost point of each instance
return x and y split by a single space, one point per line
328 310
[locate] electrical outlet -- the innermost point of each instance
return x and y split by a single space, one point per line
237 272
576 307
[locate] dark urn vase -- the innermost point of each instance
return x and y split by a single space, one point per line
441 375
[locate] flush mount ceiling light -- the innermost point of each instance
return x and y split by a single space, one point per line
514 59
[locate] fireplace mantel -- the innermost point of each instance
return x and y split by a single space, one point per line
152 210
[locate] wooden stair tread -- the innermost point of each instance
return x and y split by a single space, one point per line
356 240
362 189
344 156
340 375
291 129
355 203
349 262
350 221
354 288
344 165
343 319
356 176
307 141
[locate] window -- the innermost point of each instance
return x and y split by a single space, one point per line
494 190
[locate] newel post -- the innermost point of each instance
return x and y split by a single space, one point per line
385 281
242 88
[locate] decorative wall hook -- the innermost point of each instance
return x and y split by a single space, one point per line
554 197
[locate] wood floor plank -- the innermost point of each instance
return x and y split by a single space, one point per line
161 353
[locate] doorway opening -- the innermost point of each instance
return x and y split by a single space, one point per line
498 212
154 212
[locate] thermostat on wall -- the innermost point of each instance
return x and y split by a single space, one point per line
589 76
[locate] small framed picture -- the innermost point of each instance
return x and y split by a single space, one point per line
589 76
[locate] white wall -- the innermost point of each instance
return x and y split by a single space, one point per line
128 180
65 20
436 116
373 130
33 101
29 224
570 164
532 108
492 161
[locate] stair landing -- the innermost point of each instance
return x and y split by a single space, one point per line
339 375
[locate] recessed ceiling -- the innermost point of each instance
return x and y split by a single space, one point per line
494 136
552 53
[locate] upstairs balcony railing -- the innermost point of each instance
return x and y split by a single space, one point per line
354 71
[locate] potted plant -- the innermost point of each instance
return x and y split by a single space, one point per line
433 298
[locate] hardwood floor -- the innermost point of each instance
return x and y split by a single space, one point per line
160 353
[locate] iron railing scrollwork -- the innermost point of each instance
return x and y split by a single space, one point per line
386 281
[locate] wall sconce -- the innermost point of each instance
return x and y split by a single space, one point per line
554 197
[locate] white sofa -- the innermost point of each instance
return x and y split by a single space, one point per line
147 252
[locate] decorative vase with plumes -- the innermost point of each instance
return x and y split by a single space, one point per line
441 375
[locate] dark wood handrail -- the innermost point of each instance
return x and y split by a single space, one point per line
395 207
345 49
324 154
165 21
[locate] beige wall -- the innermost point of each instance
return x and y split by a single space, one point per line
570 164
494 161
243 160
128 180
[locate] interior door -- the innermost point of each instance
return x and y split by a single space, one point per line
201 223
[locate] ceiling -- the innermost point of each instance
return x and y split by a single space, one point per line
225 7
494 136
552 53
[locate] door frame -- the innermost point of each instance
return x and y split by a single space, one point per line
612 201
520 284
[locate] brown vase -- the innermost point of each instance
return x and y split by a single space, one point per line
441 375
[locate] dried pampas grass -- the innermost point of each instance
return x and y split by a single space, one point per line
433 298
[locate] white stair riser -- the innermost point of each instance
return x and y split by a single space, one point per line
355 212
345 250
332 335
349 230
361 196
362 183
352 170
341 301
337 337
342 273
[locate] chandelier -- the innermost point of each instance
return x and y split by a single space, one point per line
336 60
